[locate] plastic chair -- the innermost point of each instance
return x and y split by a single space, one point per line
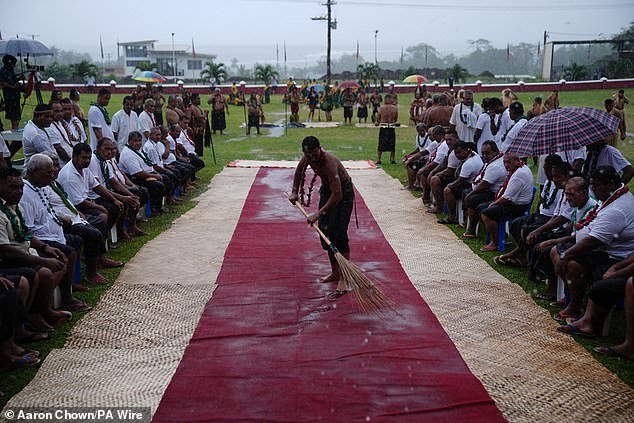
504 225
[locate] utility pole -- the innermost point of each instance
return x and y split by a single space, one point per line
173 58
376 33
331 25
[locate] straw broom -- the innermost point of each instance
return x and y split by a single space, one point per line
370 298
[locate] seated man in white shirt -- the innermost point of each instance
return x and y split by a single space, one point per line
551 196
578 198
99 167
35 139
435 159
167 150
74 126
43 268
58 134
85 193
470 167
90 228
444 174
186 145
42 220
417 159
604 237
137 165
485 185
511 200
146 118
170 179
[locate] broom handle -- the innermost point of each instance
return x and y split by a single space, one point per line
321 234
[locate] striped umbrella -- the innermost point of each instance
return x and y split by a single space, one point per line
148 76
415 79
568 128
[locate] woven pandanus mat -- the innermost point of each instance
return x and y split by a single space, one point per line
533 372
142 316
102 377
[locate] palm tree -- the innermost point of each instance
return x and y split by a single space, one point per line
215 70
367 71
147 66
575 72
82 70
265 73
459 73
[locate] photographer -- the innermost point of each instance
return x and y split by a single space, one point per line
10 92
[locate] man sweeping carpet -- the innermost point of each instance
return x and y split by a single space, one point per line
335 202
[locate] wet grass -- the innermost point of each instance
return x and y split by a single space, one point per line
348 143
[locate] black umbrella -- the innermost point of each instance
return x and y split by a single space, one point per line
24 47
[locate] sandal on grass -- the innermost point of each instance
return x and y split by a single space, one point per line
22 361
447 221
488 249
468 236
563 315
611 352
571 329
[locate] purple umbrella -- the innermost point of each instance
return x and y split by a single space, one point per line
568 128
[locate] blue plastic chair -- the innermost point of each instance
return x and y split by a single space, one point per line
504 223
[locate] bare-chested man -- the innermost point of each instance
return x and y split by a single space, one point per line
375 101
336 199
439 113
171 113
219 106
552 101
197 122
387 117
362 111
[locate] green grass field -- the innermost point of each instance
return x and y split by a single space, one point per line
348 143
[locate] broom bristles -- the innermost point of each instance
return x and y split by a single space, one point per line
370 298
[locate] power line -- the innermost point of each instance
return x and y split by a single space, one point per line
498 7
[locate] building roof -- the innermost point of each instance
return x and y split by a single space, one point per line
130 43
179 48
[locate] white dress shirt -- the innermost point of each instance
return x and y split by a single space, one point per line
38 214
35 140
96 119
123 124
78 186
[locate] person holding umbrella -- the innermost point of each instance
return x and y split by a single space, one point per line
11 94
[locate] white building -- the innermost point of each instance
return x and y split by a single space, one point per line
165 56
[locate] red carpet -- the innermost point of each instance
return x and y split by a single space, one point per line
271 347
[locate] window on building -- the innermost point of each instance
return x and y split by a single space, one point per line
135 63
194 64
136 51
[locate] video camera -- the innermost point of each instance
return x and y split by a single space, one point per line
34 68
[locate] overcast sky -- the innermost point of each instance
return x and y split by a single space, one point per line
250 29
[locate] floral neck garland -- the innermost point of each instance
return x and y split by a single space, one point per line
506 182
103 111
59 190
312 182
480 176
105 171
142 155
20 231
47 203
547 202
595 211
462 119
